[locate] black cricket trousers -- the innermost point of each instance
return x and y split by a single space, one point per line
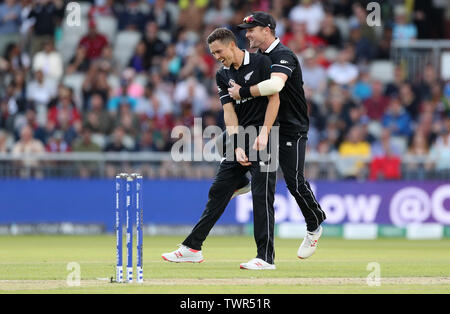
292 150
230 176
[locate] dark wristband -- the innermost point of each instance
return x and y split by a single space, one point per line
244 92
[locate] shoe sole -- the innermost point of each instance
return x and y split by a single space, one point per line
242 267
243 190
168 260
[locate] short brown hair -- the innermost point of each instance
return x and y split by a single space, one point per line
222 34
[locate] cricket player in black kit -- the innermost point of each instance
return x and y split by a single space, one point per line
286 78
260 113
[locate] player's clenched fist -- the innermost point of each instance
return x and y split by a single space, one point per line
241 157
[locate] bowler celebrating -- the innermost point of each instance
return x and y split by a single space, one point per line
286 78
259 113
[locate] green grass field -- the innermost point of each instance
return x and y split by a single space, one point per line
39 264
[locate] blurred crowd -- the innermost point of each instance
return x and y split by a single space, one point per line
126 96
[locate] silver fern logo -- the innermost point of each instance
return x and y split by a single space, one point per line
248 76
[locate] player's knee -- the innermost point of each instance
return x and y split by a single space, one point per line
296 183
216 190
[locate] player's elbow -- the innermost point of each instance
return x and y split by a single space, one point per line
272 86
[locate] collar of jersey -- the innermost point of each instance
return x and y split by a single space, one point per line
246 59
273 45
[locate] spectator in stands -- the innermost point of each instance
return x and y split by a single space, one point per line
117 143
385 145
9 23
343 72
314 75
95 82
343 8
101 8
26 26
397 119
47 15
107 62
403 30
191 15
362 90
129 85
393 88
298 39
157 105
94 42
440 152
132 16
383 47
4 142
377 104
386 167
191 92
310 12
30 118
138 61
217 14
164 14
16 59
25 146
79 62
96 118
85 144
355 115
364 48
6 117
418 148
198 64
409 100
155 47
49 61
65 112
430 79
354 150
57 144
359 18
329 31
146 143
18 90
40 91
126 118
171 64
337 107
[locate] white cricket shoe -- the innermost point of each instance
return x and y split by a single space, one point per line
257 264
242 190
184 255
309 244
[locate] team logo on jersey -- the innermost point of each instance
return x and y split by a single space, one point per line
248 76
231 82
283 61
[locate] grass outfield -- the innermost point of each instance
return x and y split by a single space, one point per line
39 264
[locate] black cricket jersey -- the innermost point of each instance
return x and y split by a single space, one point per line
293 112
254 69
